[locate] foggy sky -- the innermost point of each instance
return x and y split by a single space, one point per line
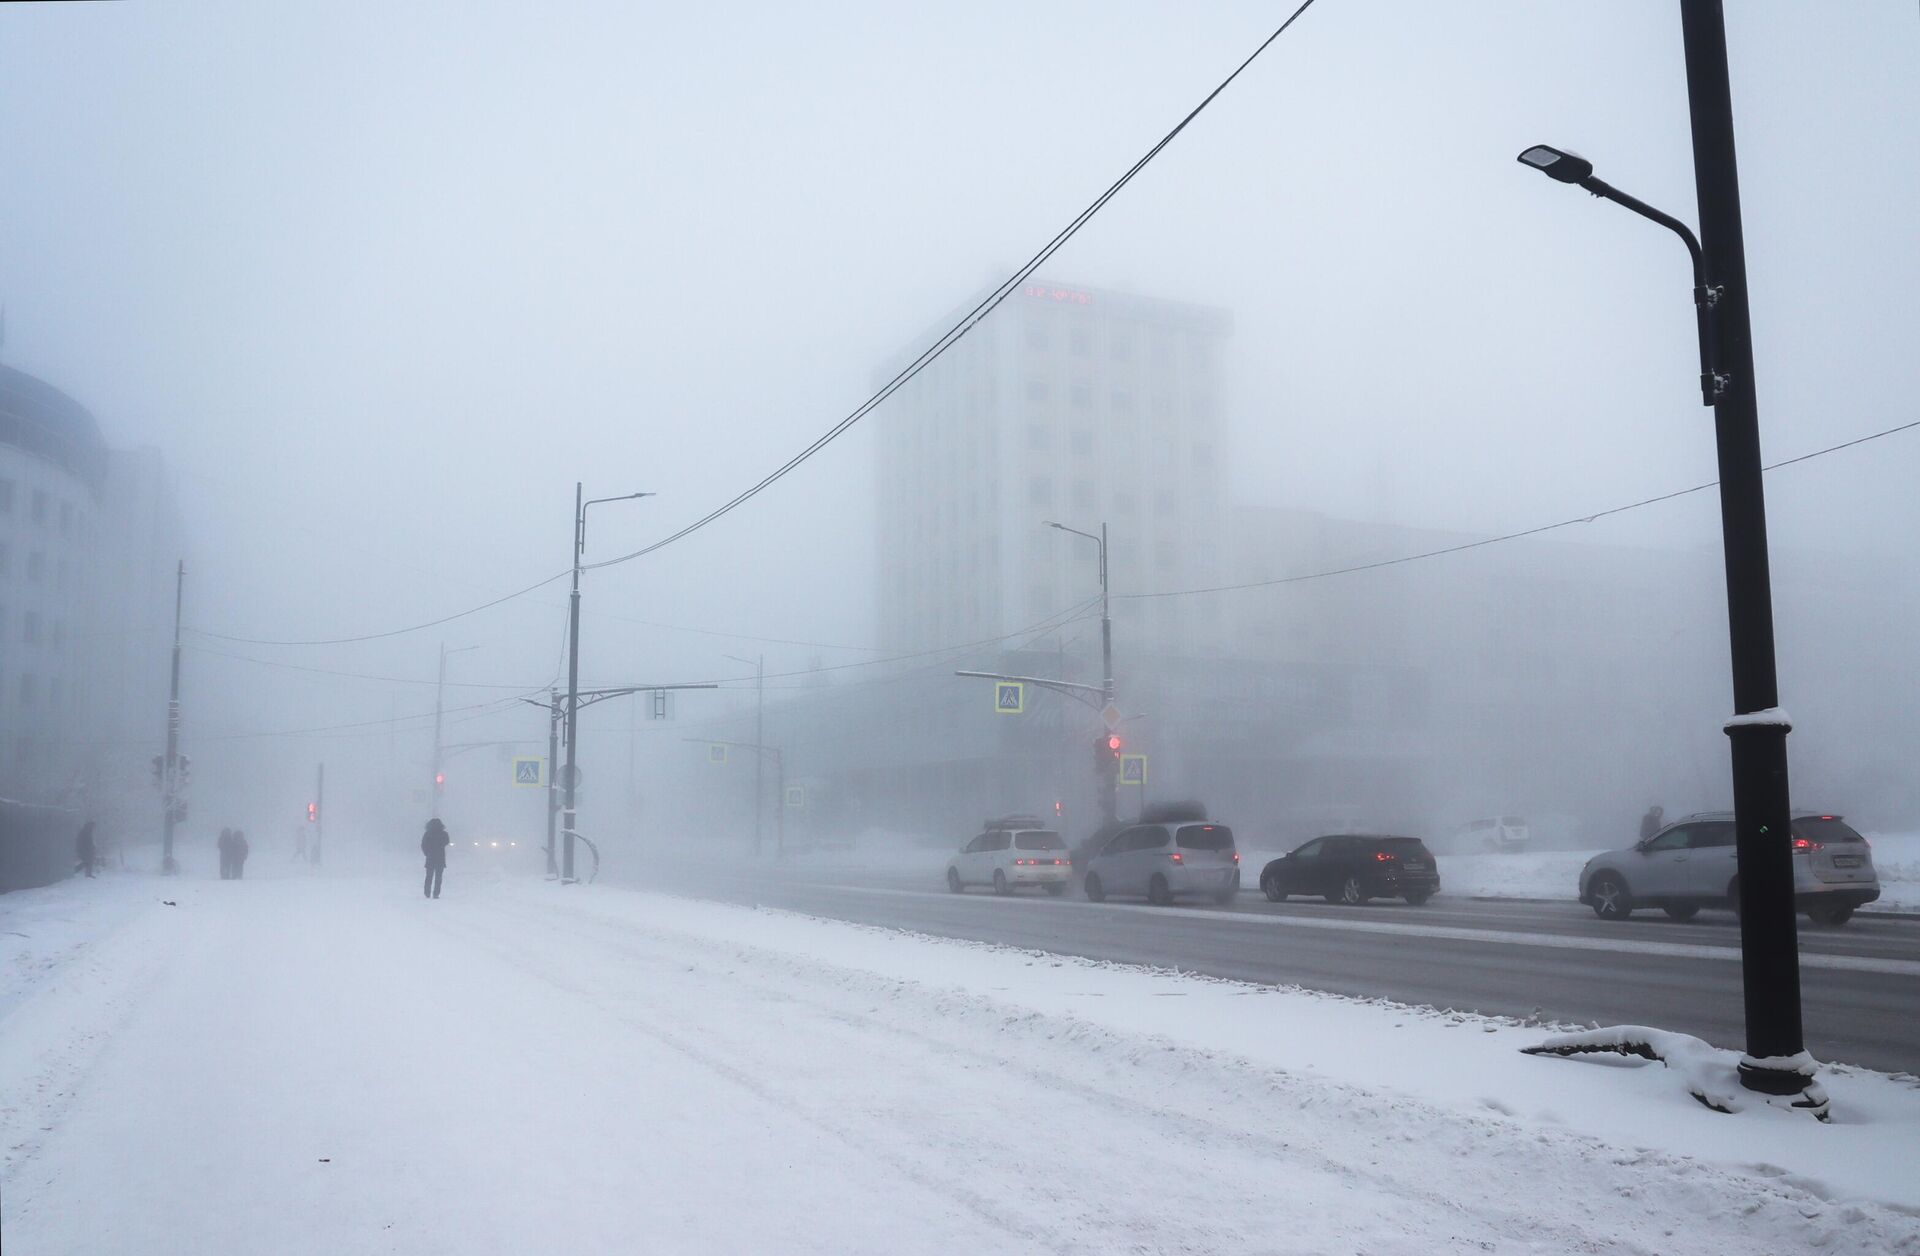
383 281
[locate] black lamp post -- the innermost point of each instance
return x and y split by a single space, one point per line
1776 1062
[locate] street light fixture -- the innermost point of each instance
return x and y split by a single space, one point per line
1776 1062
571 779
1574 169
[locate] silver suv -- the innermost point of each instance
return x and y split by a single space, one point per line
1689 864
1166 859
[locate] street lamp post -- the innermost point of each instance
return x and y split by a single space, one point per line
439 707
1776 1062
1110 779
759 738
570 781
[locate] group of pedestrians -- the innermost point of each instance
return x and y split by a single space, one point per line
233 854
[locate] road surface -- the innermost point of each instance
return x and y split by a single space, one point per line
1555 961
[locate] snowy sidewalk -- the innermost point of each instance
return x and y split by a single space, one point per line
335 1065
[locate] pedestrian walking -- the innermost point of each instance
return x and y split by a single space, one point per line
88 853
226 854
239 853
1650 823
433 844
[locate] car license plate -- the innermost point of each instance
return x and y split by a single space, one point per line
1846 861
1413 865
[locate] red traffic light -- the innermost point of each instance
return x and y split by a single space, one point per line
1113 743
313 812
439 778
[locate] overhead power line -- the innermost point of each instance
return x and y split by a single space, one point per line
968 321
1484 541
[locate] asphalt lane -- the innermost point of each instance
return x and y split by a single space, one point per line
1860 984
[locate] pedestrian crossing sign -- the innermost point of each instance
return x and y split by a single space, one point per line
797 797
1009 697
716 754
1133 769
529 772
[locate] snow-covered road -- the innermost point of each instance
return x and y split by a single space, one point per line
308 1065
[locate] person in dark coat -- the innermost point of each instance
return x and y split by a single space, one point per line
226 854
88 853
1651 822
433 844
239 853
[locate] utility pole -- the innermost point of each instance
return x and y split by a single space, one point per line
439 706
170 777
1775 1062
319 812
569 785
553 755
759 761
573 684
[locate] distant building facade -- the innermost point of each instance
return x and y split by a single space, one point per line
1070 403
88 539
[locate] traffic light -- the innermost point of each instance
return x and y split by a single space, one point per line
1106 752
439 779
313 812
159 769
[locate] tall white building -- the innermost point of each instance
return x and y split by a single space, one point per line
88 541
1073 404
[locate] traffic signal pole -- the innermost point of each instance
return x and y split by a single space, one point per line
573 690
553 756
319 812
1110 788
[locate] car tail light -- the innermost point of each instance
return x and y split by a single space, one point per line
1236 856
1382 856
1801 843
1176 857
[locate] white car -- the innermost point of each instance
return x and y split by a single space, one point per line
1692 863
1496 833
1011 853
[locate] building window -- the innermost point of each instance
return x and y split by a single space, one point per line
1122 345
1037 436
1040 599
6 497
1082 440
1082 395
5 558
1081 342
1123 503
30 628
66 518
1202 454
28 690
53 692
1083 494
39 505
1037 337
1040 491
36 566
1122 401
59 635
1036 389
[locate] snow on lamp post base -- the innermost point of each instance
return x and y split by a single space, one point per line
1712 1076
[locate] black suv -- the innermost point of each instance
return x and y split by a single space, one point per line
1353 869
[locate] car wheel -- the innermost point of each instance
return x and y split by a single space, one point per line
1682 911
1000 885
1420 899
1056 888
1833 917
1610 898
1095 891
1351 893
1158 892
953 881
1270 886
